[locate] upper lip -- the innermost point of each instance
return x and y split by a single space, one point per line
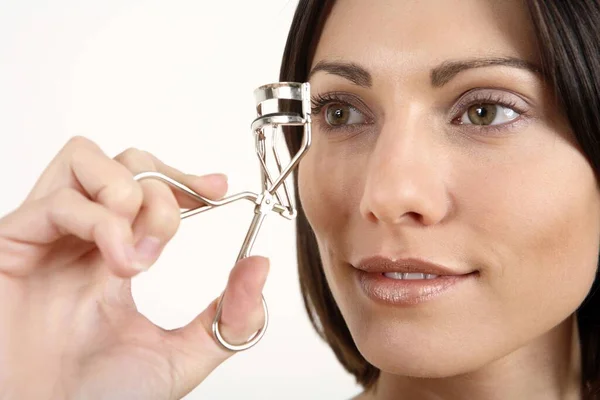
382 264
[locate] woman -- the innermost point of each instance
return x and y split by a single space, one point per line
460 133
449 252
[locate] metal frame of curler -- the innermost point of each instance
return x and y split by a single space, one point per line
270 199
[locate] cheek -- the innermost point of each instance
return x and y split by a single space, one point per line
329 184
535 225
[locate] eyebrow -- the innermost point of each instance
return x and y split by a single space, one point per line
351 71
447 70
440 75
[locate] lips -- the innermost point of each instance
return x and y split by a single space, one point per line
377 278
382 265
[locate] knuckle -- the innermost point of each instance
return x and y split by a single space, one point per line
167 214
79 155
147 154
152 159
134 159
130 153
78 142
123 194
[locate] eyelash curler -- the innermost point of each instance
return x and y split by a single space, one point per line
271 199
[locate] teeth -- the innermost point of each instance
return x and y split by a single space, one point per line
413 276
393 275
409 275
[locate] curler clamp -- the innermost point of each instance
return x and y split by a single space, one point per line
275 195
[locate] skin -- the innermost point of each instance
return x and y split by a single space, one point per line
69 328
518 204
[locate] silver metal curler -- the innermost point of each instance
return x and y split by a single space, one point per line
275 194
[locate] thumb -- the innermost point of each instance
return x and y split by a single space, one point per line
196 352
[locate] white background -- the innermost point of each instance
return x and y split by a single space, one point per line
175 78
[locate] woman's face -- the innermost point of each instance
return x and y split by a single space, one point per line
438 143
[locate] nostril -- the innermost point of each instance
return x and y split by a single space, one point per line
379 207
405 202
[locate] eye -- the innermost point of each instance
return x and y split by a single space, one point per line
488 114
343 114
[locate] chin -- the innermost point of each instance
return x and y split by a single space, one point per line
422 365
434 355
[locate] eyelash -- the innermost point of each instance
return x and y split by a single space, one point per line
490 98
321 101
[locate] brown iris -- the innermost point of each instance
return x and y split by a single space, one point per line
338 114
482 114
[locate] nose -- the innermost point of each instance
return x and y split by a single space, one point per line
405 175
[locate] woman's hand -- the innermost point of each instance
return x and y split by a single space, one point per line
69 328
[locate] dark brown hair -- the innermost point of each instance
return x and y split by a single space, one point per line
568 33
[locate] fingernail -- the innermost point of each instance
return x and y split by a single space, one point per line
144 253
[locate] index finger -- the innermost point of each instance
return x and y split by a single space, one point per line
212 186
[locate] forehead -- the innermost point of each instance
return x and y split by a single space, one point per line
409 35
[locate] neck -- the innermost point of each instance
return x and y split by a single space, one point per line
548 368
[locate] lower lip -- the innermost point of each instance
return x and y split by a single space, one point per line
406 292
